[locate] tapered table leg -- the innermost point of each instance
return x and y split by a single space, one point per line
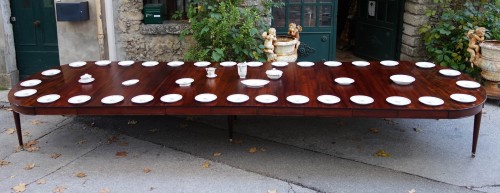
477 124
17 121
230 126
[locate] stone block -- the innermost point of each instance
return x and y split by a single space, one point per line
413 41
404 57
420 1
413 51
416 8
410 30
415 20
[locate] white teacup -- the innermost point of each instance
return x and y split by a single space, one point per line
86 76
210 71
242 70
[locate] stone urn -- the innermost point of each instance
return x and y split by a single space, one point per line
490 60
285 49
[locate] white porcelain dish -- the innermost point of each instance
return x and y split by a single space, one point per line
449 72
25 93
274 74
175 63
297 99
333 63
205 97
184 82
238 98
279 64
51 72
362 99
79 99
468 84
126 63
425 64
255 83
431 101
266 98
112 99
31 83
202 64
130 82
361 63
86 81
228 63
150 63
402 79
103 62
143 98
389 63
463 98
328 99
48 98
171 98
254 64
398 100
77 64
344 81
305 64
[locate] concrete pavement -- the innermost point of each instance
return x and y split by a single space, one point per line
286 154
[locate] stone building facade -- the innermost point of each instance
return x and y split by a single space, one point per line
412 47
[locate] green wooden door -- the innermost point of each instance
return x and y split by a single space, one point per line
318 20
378 29
35 35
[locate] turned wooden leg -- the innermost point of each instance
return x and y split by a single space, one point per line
230 126
17 121
477 124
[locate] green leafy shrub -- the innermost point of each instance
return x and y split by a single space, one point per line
445 40
225 31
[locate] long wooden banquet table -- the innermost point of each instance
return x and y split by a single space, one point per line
158 80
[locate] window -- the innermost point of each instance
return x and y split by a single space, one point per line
176 8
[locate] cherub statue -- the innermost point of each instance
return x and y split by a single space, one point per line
269 38
293 31
474 40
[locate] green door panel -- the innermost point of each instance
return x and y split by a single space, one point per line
315 46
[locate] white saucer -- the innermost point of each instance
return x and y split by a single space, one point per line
305 64
184 82
150 63
449 72
143 98
85 81
398 100
279 64
254 64
175 63
328 99
468 84
126 63
266 98
130 82
205 97
202 63
297 99
425 64
227 63
431 101
333 63
112 99
463 98
361 99
402 79
79 99
238 98
77 64
360 63
389 63
51 72
31 83
25 93
213 76
48 98
344 81
103 63
171 98
254 83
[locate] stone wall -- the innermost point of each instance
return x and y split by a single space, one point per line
9 75
414 17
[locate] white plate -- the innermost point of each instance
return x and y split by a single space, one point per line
360 63
126 63
463 98
297 99
254 64
113 99
184 81
328 99
266 98
25 93
171 98
228 63
425 64
202 63
212 76
305 64
361 99
398 100
130 82
468 84
85 81
103 63
48 98
389 63
344 81
402 79
31 83
51 72
255 83
449 72
431 101
238 98
333 63
175 63
143 98
150 63
79 99
279 64
205 97
77 64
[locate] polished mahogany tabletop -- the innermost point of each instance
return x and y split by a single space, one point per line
159 80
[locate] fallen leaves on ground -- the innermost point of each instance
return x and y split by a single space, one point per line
31 146
19 188
146 170
29 166
271 191
36 122
55 155
121 154
112 139
81 174
382 153
104 190
206 165
252 150
374 130
41 181
11 130
412 191
26 133
81 141
217 154
263 149
4 163
132 122
59 189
